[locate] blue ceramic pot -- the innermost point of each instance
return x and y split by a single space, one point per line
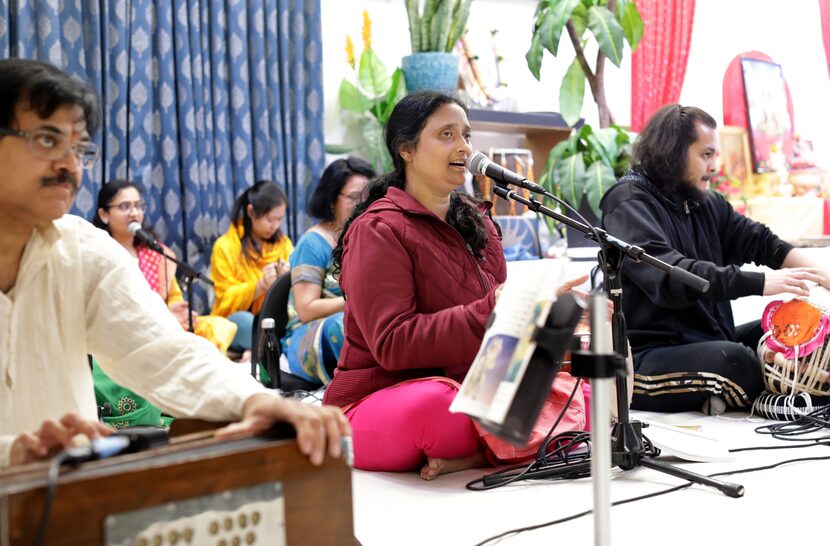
430 70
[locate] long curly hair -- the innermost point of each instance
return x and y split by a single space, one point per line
403 129
661 151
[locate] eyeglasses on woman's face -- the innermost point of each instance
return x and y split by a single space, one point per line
354 197
127 206
54 146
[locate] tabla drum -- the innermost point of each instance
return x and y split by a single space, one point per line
795 357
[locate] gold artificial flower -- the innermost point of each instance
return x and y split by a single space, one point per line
349 51
367 30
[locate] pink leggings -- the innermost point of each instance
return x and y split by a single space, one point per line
397 428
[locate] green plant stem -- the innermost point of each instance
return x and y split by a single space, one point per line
606 118
580 55
596 79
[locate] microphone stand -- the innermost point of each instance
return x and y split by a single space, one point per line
628 450
188 275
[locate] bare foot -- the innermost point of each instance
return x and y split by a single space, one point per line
435 467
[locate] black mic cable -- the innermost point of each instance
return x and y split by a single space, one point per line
100 448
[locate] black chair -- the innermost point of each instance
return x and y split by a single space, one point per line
275 306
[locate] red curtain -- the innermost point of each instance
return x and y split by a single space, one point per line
658 65
825 28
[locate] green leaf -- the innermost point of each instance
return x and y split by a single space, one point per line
378 156
607 140
619 9
459 22
440 25
561 150
571 145
373 75
579 20
608 32
572 93
534 55
632 24
570 175
426 24
540 7
396 91
597 151
352 99
598 178
584 132
414 24
554 22
339 149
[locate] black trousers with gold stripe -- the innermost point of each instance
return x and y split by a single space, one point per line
682 377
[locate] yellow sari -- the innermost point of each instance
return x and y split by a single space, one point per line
235 275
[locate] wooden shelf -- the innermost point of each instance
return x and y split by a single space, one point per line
536 131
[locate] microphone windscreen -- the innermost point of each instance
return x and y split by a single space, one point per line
133 227
477 163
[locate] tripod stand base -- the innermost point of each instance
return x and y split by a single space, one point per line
733 490
629 451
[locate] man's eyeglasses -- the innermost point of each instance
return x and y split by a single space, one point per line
53 146
127 206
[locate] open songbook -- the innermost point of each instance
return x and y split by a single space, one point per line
490 386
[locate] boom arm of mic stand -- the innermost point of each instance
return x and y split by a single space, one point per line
189 274
633 252
185 268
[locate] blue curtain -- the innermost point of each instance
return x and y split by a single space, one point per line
200 99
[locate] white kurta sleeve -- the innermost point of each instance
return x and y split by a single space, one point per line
6 442
141 346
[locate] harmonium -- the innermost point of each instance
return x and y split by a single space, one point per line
193 490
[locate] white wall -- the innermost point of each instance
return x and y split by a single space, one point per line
790 32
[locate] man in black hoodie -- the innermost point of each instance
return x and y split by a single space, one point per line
688 354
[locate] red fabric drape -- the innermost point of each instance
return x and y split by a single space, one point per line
824 6
658 65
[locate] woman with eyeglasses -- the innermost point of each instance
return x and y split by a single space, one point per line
314 333
249 257
120 204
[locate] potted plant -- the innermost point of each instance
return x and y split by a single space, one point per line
372 94
608 23
585 165
434 28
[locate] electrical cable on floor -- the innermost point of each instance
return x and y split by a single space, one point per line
516 531
793 431
559 448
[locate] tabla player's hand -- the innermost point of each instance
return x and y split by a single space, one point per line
793 280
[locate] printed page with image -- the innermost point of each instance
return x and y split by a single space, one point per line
496 373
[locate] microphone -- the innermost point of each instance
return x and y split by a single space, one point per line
479 164
135 229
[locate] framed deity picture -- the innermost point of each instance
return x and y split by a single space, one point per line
734 154
770 127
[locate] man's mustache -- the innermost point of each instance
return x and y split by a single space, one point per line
62 178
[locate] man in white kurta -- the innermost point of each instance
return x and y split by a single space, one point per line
67 289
